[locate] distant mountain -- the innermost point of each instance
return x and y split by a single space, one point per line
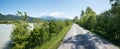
10 17
50 18
47 18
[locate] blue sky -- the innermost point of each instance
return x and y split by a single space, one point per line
56 8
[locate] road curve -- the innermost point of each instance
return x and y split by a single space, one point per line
79 38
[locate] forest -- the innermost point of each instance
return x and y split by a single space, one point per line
106 24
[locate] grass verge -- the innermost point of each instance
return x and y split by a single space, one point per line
55 41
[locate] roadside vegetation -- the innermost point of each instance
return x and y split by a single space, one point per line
45 33
56 40
106 24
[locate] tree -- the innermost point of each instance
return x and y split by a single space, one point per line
115 10
46 34
68 22
52 28
75 19
80 22
82 13
24 17
88 18
20 34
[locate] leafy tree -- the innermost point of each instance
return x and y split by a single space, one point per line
82 13
59 25
35 38
46 34
105 24
52 28
24 17
68 22
115 10
75 19
20 34
88 18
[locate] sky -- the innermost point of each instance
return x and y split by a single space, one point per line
55 8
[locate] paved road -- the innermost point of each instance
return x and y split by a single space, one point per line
79 38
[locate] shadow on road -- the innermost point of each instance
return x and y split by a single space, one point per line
7 45
82 41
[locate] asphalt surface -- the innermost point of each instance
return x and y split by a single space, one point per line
79 38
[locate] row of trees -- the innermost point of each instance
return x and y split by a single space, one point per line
88 18
105 24
24 38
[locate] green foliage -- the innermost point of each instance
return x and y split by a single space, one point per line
88 18
24 38
75 19
52 28
35 38
20 35
115 14
24 17
68 22
106 24
55 41
39 35
45 31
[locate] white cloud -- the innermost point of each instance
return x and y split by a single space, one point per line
70 17
55 14
11 12
44 13
63 12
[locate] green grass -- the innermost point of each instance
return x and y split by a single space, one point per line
56 40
